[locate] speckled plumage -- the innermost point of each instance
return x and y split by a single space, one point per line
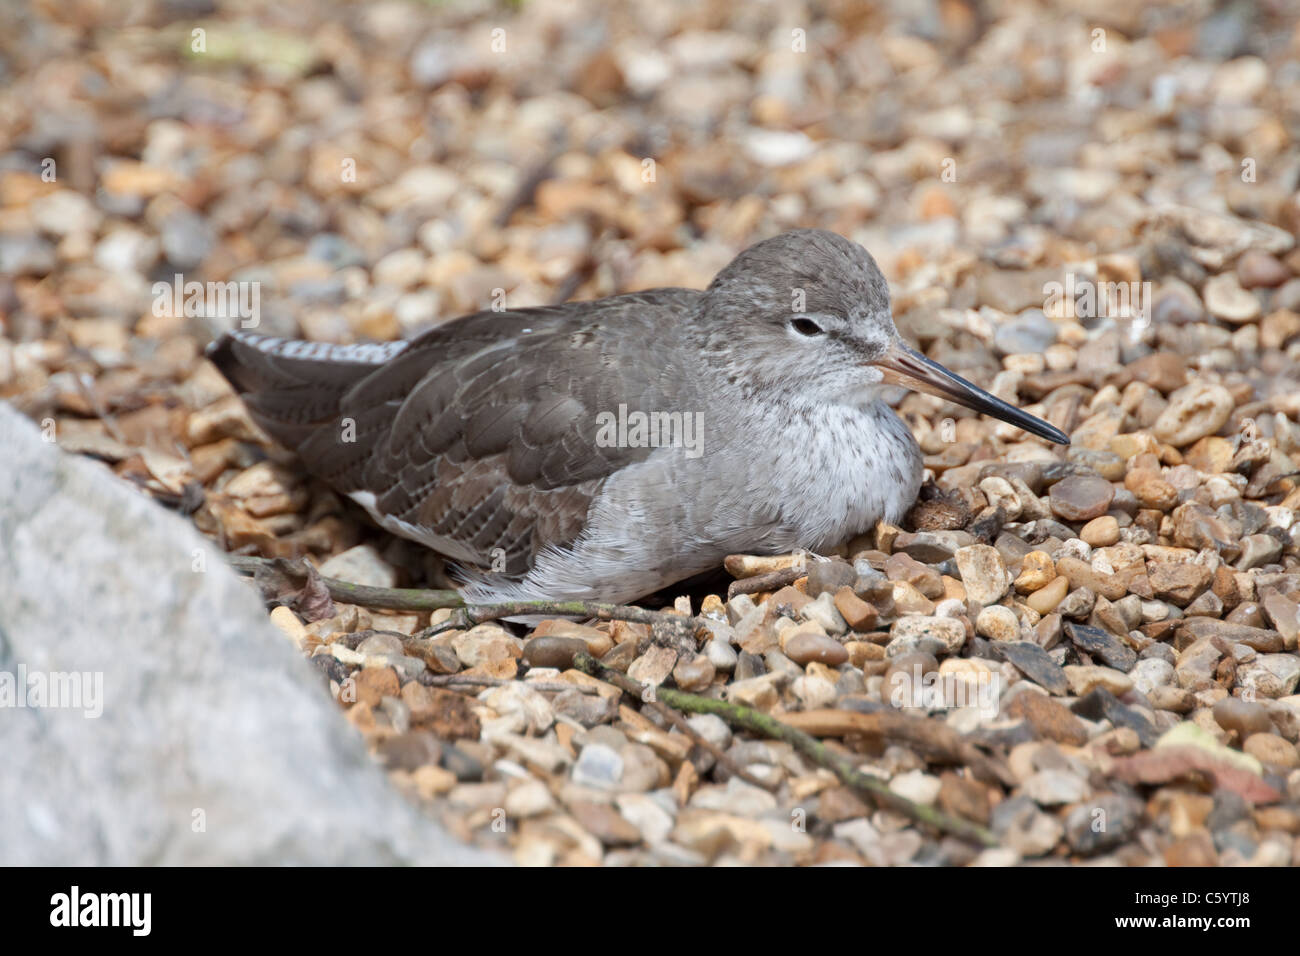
480 437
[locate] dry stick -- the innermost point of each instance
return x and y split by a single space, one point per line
749 719
772 581
667 626
469 680
390 599
625 683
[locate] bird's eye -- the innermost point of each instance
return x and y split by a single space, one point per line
806 327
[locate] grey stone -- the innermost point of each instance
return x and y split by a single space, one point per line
216 744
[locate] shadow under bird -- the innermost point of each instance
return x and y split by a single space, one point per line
604 450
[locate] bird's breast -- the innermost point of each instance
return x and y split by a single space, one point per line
851 466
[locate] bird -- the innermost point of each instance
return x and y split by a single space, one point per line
607 449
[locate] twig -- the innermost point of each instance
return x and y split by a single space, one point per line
666 627
749 719
637 690
470 680
389 599
772 581
931 737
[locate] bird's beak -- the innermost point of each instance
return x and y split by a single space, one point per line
901 365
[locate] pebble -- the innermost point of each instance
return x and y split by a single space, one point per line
998 623
1269 748
697 674
830 576
1047 599
1081 498
1024 828
1257 268
1049 718
529 798
1036 664
1151 673
911 631
1102 823
917 786
1271 675
822 611
1080 574
1050 788
1084 677
982 572
652 819
552 651
1029 334
1242 716
1101 532
604 823
803 647
1036 571
1226 299
1103 644
1258 550
654 666
722 655
857 613
1194 411
598 766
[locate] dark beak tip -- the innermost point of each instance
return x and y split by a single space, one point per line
1056 436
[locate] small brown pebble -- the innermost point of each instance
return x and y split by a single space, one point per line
1179 583
1195 849
964 797
598 642
857 613
1100 532
697 673
1036 571
863 652
1257 268
374 683
904 671
447 714
1081 575
552 651
1050 718
1285 819
1194 411
1272 749
1210 455
604 823
903 567
1173 699
1080 497
1164 371
804 647
1045 600
1150 490
1244 716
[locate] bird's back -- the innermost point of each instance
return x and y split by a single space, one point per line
480 437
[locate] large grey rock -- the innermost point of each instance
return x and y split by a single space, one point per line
216 742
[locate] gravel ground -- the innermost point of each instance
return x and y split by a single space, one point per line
1089 209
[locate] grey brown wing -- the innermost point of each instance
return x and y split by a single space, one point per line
481 438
